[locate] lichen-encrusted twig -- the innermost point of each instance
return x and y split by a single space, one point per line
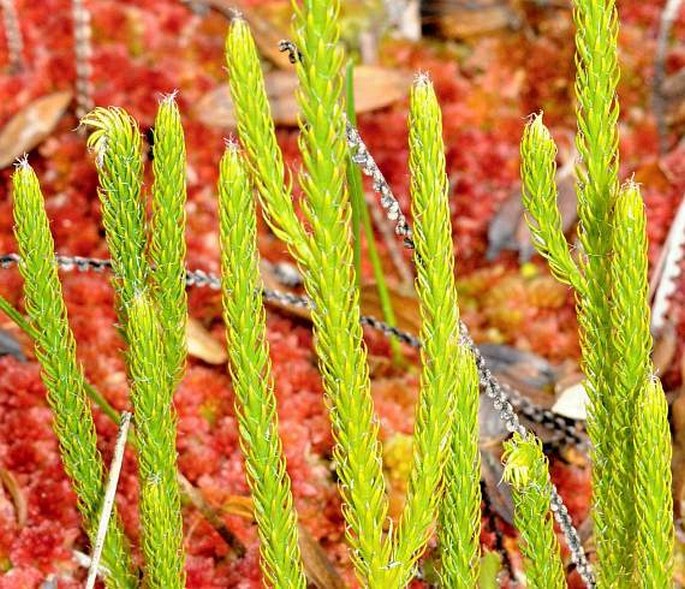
668 16
363 158
82 53
61 373
569 432
527 471
666 274
14 39
252 382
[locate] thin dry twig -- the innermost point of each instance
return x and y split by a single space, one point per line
667 271
108 503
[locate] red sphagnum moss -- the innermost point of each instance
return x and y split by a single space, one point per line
142 50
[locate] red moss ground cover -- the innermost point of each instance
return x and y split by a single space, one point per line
143 49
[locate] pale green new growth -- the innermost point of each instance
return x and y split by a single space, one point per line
460 513
326 259
258 137
653 498
330 281
251 375
144 305
633 345
440 354
160 504
167 245
62 374
597 143
611 287
526 470
639 401
538 171
118 149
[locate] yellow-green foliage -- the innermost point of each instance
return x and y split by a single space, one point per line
610 280
526 470
152 309
325 256
61 371
251 376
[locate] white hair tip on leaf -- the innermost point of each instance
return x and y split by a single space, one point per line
232 144
169 97
22 162
422 79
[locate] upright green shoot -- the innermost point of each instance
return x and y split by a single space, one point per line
160 504
167 245
610 280
62 374
639 405
526 470
118 148
251 374
325 256
330 282
441 382
653 495
460 510
327 263
597 142
144 306
258 136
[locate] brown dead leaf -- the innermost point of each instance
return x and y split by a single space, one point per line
31 125
318 568
239 505
651 173
266 34
374 88
193 495
20 507
508 229
498 496
202 345
665 345
455 20
404 304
